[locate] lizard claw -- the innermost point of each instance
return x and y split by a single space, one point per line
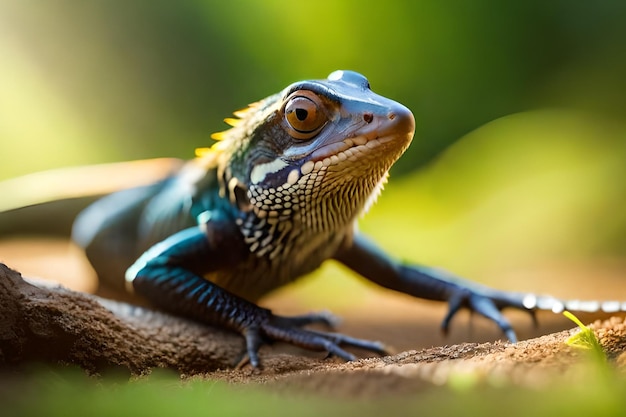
253 344
289 330
487 305
455 303
325 318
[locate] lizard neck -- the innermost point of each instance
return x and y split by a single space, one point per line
319 208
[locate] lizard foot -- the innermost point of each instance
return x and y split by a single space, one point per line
488 303
289 330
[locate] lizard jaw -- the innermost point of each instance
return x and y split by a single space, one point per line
347 150
386 136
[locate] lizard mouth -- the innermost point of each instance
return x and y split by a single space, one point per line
347 150
388 136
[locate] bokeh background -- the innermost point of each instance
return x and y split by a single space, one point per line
515 178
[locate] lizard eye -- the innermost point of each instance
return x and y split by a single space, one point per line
304 114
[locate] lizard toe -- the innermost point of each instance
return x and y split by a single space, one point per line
253 344
455 303
324 318
481 304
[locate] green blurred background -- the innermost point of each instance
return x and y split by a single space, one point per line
519 157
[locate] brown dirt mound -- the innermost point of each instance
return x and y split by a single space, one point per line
56 325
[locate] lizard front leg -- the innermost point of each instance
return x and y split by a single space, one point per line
170 275
364 257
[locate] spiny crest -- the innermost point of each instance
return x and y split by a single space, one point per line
240 115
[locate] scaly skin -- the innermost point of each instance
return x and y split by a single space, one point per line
275 197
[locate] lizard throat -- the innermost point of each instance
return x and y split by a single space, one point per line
321 198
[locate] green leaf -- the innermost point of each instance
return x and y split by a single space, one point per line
585 339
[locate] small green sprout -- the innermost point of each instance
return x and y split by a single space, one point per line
585 339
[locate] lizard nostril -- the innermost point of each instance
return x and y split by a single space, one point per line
368 117
392 116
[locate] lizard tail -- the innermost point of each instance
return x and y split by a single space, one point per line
46 203
549 303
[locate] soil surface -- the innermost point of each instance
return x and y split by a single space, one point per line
49 323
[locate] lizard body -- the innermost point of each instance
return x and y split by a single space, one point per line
275 197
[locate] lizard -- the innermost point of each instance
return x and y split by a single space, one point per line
279 193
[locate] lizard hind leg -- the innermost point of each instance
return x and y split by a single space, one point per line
107 231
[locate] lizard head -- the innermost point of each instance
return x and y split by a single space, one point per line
320 145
